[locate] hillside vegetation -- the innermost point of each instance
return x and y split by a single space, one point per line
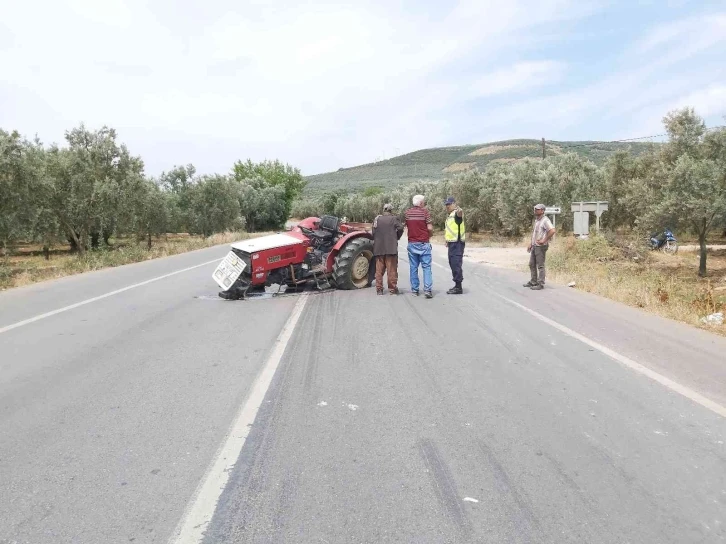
436 163
680 184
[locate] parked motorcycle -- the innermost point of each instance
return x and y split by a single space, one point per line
664 241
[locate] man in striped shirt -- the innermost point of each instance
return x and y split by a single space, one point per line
419 226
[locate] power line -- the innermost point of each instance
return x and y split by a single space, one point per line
630 139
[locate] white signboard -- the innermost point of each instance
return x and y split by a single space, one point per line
552 210
597 206
228 270
581 223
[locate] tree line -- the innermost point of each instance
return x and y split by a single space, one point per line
680 184
93 188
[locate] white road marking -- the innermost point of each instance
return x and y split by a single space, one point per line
204 502
667 382
100 297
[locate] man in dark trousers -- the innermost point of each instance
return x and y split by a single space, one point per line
542 232
455 236
387 230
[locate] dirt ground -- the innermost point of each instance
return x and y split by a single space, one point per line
514 258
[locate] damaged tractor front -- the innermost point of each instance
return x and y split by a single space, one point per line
321 251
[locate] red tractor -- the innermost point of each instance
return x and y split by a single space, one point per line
322 250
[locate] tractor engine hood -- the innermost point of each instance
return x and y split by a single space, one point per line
263 243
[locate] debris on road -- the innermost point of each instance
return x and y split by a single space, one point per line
713 319
469 499
571 284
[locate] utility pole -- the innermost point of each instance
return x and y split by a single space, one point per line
544 153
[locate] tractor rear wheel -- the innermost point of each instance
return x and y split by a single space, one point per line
350 270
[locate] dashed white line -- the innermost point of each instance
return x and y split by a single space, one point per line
100 297
204 502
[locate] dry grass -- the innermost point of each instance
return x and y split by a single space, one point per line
27 265
667 285
459 167
492 149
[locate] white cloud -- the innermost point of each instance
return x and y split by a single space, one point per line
694 33
319 85
707 102
521 77
109 12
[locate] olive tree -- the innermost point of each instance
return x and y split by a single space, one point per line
687 187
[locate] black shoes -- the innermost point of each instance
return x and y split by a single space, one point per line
456 290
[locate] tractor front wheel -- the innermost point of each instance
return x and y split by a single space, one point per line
350 270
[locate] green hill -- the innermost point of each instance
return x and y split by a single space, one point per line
440 162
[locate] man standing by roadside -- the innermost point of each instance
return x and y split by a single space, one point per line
419 226
455 236
542 232
387 231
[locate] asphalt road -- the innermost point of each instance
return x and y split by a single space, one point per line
387 419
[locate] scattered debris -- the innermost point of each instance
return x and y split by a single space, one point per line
275 289
353 406
322 403
713 319
469 499
571 284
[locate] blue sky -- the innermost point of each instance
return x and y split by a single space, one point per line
323 85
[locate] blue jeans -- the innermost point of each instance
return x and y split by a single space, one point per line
420 253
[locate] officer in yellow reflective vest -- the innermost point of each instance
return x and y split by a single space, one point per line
455 236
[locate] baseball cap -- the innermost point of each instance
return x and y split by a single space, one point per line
449 200
540 207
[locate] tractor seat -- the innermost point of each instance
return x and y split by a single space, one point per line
327 228
322 235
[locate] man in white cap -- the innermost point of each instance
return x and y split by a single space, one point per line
542 232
